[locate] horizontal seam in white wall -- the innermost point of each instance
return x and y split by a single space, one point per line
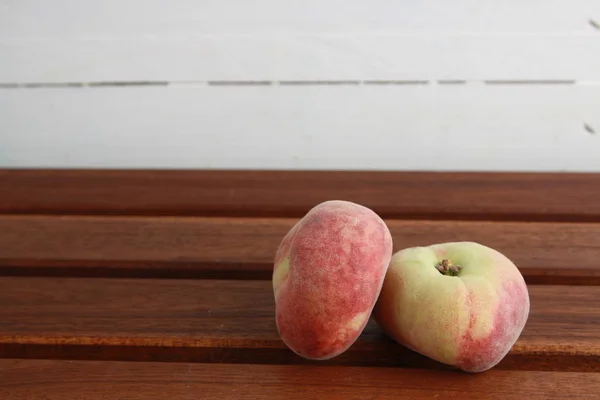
37 85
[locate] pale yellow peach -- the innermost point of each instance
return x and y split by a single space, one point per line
460 303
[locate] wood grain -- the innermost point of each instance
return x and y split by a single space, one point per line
215 247
93 380
431 195
233 322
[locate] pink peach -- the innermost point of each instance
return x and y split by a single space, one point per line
329 270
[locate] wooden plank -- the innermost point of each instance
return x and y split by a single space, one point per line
432 195
434 127
92 380
241 248
233 321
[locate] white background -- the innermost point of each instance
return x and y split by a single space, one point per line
313 84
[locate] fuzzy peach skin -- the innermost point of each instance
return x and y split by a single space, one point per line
328 272
469 320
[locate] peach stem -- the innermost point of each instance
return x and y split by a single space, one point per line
446 267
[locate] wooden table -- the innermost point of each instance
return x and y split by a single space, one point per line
156 284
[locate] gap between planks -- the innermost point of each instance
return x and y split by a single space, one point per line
233 322
243 248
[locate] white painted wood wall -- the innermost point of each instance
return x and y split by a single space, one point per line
313 84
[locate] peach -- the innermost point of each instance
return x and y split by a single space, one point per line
460 303
328 272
